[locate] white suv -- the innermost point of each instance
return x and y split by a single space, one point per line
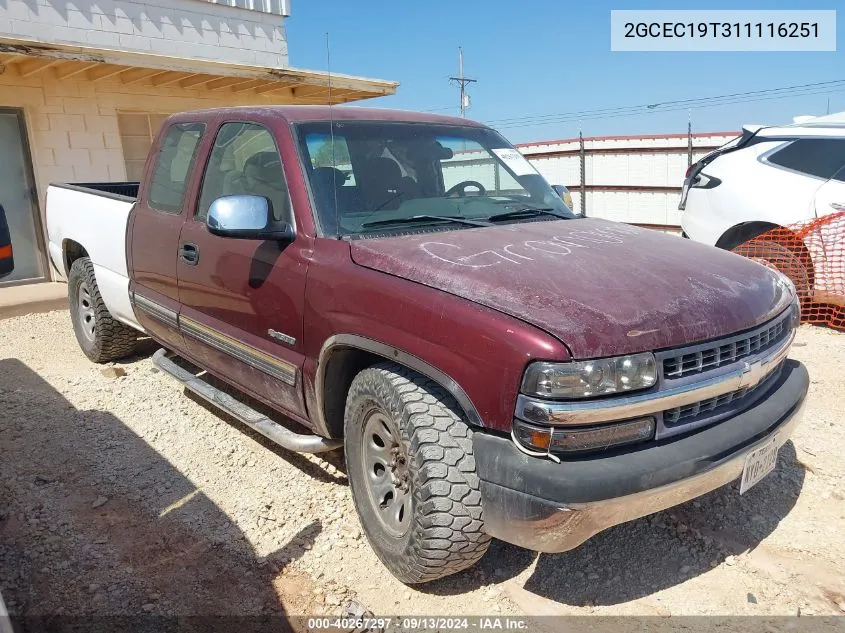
771 177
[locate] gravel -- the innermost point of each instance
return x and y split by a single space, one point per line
119 494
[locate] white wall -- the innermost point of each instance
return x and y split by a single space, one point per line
194 29
630 165
279 7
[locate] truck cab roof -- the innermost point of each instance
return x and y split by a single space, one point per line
296 113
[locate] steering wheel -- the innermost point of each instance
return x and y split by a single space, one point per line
461 189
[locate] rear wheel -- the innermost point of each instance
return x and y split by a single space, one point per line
101 337
780 258
412 473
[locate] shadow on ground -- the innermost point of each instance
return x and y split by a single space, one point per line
329 467
94 521
636 559
315 466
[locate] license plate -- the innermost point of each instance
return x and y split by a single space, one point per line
759 463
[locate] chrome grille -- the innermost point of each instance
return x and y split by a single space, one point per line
720 353
712 406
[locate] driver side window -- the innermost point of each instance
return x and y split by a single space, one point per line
245 161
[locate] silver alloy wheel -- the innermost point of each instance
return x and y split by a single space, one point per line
85 309
387 476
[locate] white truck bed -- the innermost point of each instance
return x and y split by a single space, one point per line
97 221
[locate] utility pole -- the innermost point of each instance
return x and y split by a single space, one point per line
689 138
462 82
582 154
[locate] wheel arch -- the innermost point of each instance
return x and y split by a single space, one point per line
743 232
343 356
71 251
782 235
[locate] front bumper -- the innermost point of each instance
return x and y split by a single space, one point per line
550 507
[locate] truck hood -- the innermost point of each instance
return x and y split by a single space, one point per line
602 288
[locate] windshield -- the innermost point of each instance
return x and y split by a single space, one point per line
404 175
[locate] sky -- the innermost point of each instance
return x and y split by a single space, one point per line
544 57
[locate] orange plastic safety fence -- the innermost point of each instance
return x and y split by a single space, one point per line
812 255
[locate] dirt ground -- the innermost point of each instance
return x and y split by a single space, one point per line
121 495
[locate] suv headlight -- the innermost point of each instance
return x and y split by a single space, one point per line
796 311
590 378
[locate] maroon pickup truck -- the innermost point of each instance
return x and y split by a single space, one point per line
409 288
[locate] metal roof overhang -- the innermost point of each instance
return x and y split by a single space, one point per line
277 85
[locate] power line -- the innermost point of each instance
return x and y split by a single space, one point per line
684 102
668 106
667 103
673 109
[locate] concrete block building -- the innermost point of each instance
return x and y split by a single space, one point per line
86 84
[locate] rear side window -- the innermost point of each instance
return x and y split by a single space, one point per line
819 157
173 166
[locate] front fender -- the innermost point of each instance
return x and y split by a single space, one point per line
388 352
474 352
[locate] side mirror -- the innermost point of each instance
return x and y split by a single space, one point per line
246 218
566 196
560 190
7 260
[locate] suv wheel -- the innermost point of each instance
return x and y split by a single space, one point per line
412 474
101 337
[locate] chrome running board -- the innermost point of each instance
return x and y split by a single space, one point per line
275 432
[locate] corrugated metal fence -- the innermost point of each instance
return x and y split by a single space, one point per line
635 179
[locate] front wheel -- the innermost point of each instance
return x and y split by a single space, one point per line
412 473
101 337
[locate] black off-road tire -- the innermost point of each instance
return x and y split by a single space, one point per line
783 259
445 533
109 339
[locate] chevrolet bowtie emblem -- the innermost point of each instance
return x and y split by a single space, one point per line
752 374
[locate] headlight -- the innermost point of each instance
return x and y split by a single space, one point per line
796 311
590 378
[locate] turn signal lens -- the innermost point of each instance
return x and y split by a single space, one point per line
604 437
533 437
558 440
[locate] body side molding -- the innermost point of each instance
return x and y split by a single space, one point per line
271 365
260 360
155 310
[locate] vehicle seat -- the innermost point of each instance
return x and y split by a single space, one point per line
410 188
327 183
263 176
381 186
